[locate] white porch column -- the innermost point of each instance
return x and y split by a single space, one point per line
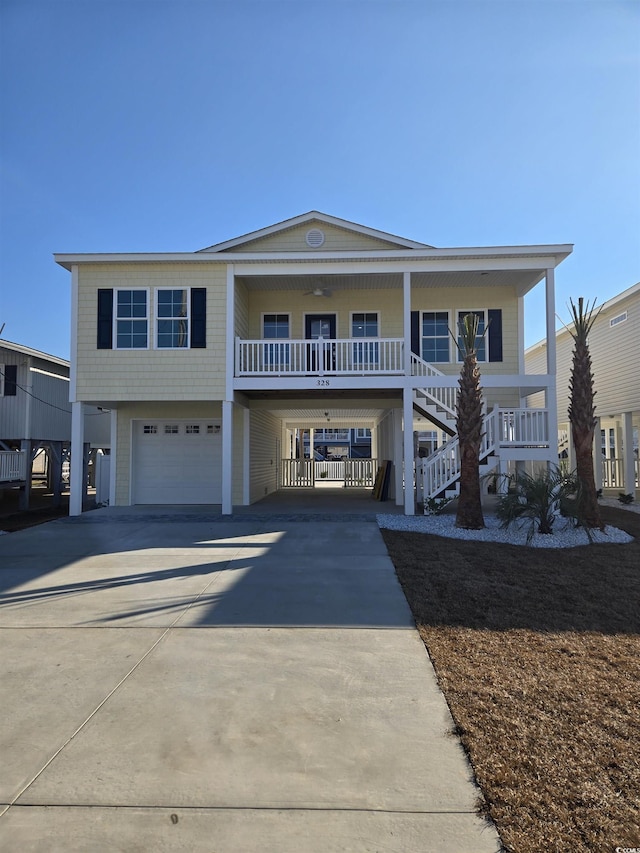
397 456
113 464
246 457
597 454
409 462
76 484
550 397
627 454
406 302
227 457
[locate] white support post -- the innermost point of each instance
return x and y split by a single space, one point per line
113 462
246 457
227 457
409 461
551 400
406 294
597 453
230 343
397 456
76 484
627 454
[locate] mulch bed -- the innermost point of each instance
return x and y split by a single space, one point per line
538 654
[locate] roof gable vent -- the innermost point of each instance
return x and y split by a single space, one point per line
315 238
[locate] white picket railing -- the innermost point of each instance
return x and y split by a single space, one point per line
350 356
502 428
613 473
329 470
524 427
304 473
445 398
296 473
13 466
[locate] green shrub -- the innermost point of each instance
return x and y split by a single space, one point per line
538 500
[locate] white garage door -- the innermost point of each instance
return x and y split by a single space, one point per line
177 462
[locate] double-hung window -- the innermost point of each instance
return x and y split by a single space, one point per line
275 328
481 338
435 336
132 319
366 354
172 318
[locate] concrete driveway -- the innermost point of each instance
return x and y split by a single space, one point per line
180 682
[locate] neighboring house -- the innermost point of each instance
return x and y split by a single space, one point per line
35 419
210 362
613 345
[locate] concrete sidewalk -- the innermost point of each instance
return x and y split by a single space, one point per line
228 686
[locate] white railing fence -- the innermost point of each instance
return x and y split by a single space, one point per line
524 427
503 428
355 356
304 473
13 466
445 398
613 473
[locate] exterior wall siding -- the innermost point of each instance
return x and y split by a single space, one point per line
266 432
616 377
241 310
294 240
178 374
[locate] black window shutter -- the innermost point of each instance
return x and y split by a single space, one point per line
495 334
10 380
198 318
416 347
105 318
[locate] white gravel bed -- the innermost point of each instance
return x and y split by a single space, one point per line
563 536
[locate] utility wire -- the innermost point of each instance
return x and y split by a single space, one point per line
52 405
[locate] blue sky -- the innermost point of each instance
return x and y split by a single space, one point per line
145 125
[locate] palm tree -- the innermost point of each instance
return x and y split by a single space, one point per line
582 412
469 425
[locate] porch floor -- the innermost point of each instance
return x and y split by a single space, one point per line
320 501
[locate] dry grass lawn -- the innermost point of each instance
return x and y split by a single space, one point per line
538 654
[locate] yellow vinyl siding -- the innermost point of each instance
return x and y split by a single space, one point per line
454 299
613 361
336 240
176 374
266 432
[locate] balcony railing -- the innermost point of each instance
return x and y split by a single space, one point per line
13 466
341 357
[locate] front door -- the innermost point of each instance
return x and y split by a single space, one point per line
320 327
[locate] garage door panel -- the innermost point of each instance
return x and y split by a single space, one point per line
182 467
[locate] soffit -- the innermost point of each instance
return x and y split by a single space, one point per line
521 280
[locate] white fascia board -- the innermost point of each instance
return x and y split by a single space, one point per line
532 256
318 383
313 216
34 353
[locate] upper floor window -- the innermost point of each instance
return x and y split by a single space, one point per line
180 318
172 318
275 326
435 336
481 338
8 380
366 354
132 319
364 325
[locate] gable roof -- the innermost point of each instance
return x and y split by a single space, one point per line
315 216
34 353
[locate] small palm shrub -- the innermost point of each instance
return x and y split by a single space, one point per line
537 500
625 499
